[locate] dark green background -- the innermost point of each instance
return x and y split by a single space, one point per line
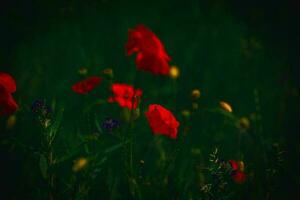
228 49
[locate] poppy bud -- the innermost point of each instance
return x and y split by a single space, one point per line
174 72
186 113
225 106
79 164
109 72
244 123
241 166
82 71
195 94
11 121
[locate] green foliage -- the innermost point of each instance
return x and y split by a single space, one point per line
43 166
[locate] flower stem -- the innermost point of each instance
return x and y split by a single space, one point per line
131 141
51 176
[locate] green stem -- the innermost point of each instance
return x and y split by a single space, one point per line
131 127
51 176
131 139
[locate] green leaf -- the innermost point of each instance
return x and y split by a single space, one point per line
97 124
113 148
55 126
43 166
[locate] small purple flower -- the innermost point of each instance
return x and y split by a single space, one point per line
110 124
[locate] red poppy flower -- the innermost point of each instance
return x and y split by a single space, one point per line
162 121
237 172
125 95
85 86
234 165
239 177
8 82
151 54
7 86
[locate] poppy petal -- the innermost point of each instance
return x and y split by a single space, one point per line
125 95
239 177
151 54
234 165
162 121
8 82
87 85
7 103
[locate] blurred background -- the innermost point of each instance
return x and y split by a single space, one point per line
243 52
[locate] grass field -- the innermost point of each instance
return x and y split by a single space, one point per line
242 54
